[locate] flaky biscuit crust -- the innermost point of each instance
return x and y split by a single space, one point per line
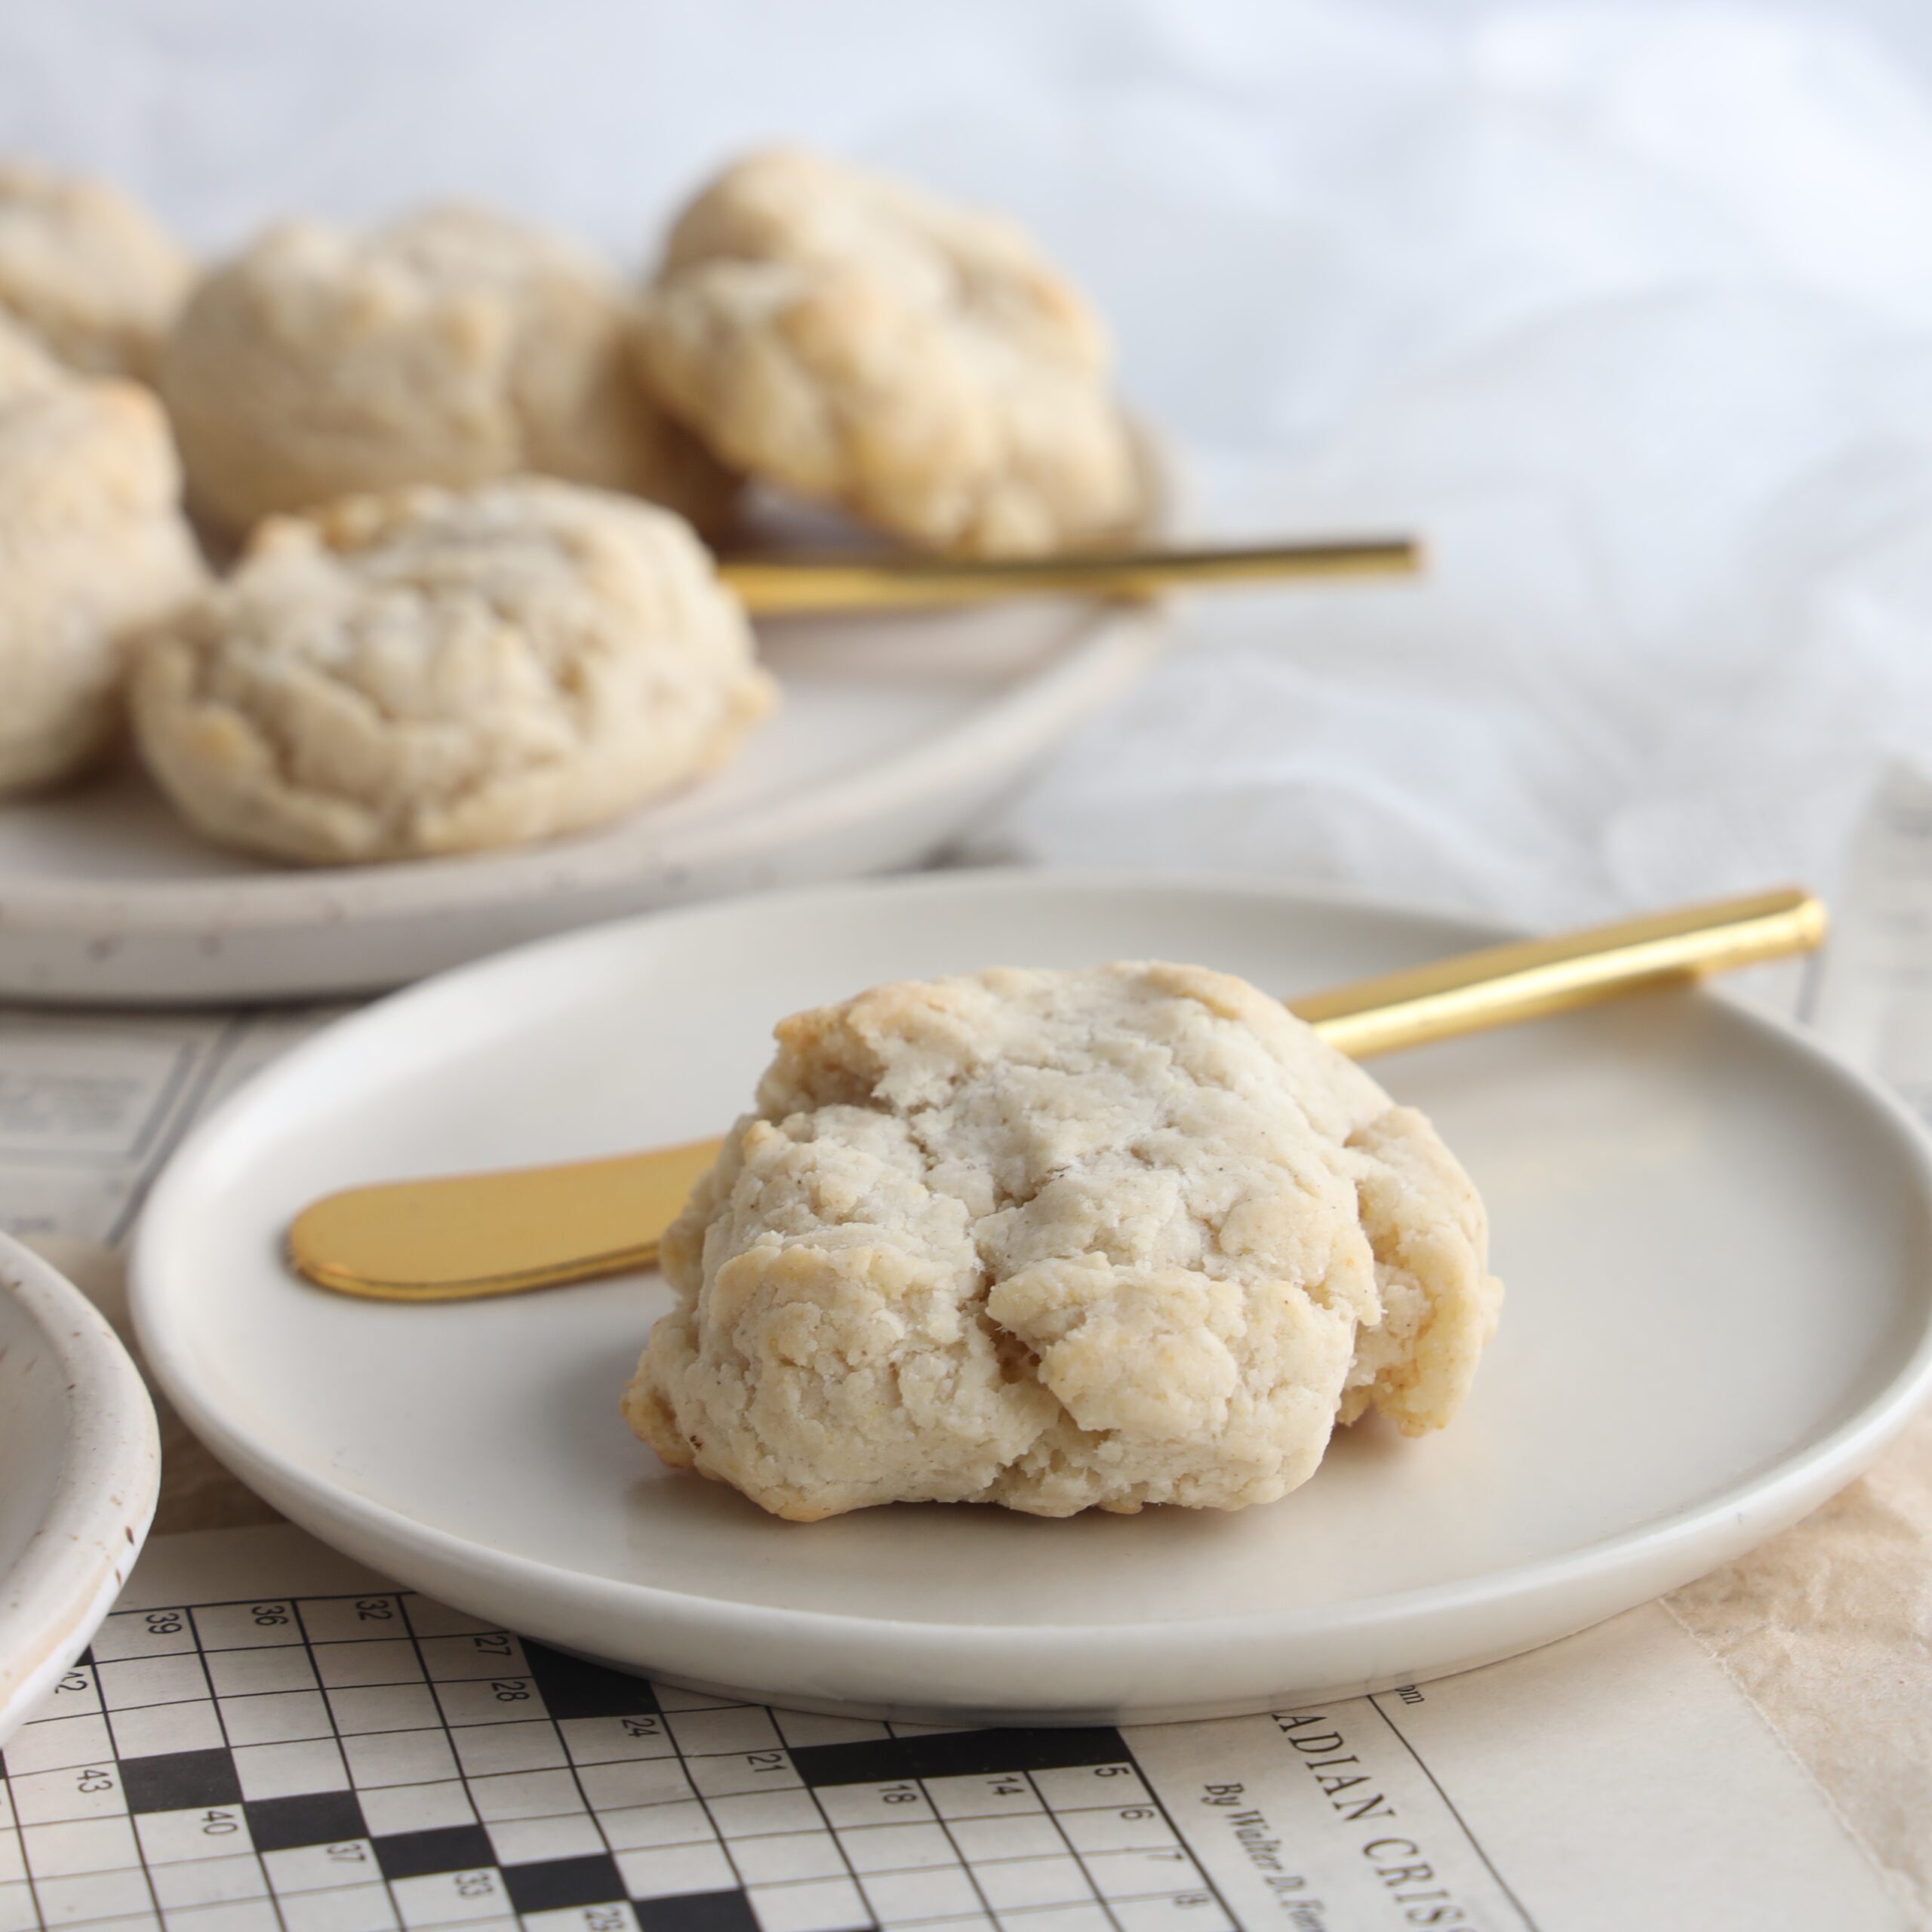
450 348
437 671
862 344
93 548
86 271
1060 1241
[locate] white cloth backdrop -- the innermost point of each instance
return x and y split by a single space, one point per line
1629 308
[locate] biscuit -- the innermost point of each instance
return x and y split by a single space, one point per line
1060 1240
434 671
450 348
92 276
864 344
93 546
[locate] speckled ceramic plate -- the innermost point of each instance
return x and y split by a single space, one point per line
1717 1241
893 734
80 1466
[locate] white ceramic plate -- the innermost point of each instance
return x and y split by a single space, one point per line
80 1466
1718 1243
895 732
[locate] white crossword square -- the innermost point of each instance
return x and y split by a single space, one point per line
77 1791
1012 1884
82 1845
484 1748
285 1717
792 1855
238 1915
100 1895
400 1757
757 1811
141 1633
349 1909
390 1809
639 1827
664 1871
492 1653
489 1700
450 1898
235 1626
859 1804
1036 1836
166 1680
525 1795
340 1619
55 1742
604 1740
652 1781
247 1673
1074 1787
388 1661
383 1707
705 1733
827 1904
525 1840
18 1912
897 1847
150 1729
169 1837
1134 1828
208 1881
285 1770
1133 1875
930 1894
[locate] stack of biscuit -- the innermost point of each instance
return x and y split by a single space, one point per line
464 473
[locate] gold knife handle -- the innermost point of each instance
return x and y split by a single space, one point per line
1529 979
772 587
471 1234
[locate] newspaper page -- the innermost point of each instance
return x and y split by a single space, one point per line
266 1738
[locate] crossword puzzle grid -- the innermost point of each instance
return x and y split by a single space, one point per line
381 1763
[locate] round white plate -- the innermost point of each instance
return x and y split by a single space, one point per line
80 1466
894 732
1718 1243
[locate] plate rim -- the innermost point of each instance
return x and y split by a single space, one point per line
1803 1478
1115 643
73 1567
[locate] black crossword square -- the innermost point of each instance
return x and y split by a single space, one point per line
572 1688
179 1781
697 1912
415 1854
553 1884
311 1817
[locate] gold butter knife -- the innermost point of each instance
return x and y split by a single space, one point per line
775 585
491 1234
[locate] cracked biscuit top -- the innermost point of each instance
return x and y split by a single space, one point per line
450 347
865 344
439 671
1058 1240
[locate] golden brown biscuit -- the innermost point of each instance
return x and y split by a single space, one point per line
449 348
864 344
92 547
1060 1240
92 276
436 671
